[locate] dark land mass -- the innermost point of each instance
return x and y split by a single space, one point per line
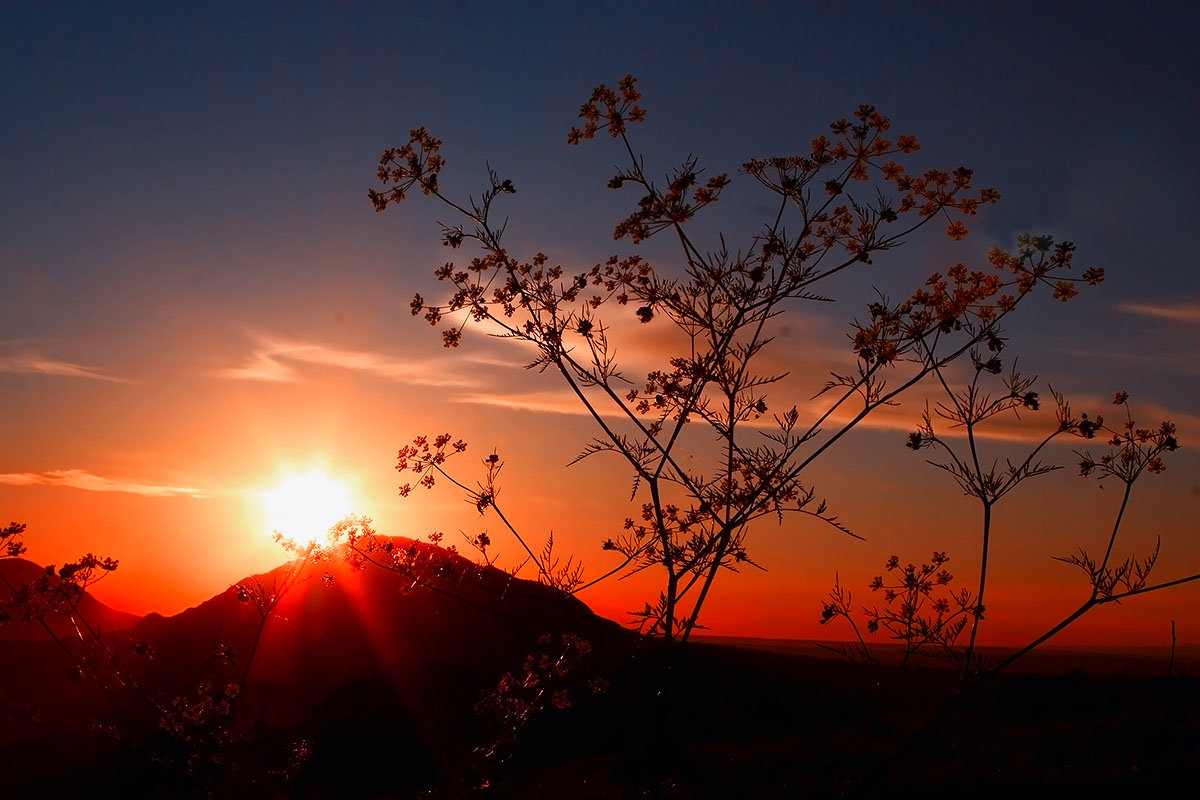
1113 661
18 572
460 681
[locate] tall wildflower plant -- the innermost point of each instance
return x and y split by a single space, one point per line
921 622
841 202
921 613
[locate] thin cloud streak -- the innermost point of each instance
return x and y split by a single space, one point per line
538 402
37 365
270 363
81 479
1174 363
1183 312
1031 426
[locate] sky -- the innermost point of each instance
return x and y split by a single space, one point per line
197 299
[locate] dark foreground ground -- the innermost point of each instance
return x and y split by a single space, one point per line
712 721
521 694
740 722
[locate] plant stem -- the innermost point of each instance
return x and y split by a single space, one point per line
1116 527
987 534
1171 662
1079 612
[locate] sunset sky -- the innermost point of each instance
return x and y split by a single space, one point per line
197 299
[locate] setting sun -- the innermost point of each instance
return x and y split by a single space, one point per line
304 507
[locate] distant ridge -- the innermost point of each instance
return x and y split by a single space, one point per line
18 572
1048 660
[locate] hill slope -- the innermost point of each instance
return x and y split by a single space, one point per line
18 572
353 658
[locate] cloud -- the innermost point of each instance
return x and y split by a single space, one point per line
1031 426
1028 427
81 479
274 360
1182 312
807 357
1170 361
37 365
561 402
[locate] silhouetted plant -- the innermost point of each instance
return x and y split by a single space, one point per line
56 594
913 614
840 203
198 724
556 675
1133 452
11 539
428 566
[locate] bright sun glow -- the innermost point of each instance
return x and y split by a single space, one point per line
304 507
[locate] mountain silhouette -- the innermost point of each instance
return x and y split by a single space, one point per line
357 657
18 572
441 676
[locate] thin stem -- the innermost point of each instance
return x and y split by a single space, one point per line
1079 612
1116 527
1171 662
978 615
861 642
1083 609
612 571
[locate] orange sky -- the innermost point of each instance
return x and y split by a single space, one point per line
201 525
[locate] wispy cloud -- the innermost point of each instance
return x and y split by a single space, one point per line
81 479
1172 361
1028 427
807 357
276 360
904 418
562 402
1180 312
38 365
